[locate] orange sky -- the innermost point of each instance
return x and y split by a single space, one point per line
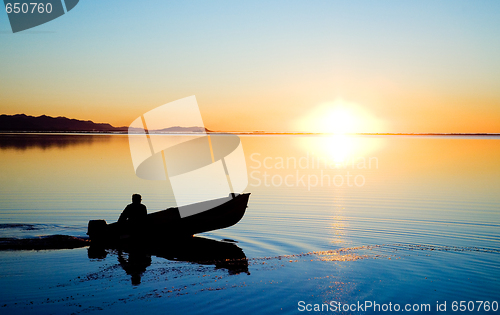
406 67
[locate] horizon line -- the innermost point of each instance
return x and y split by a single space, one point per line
208 131
261 133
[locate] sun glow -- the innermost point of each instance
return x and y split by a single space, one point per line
337 120
342 148
339 117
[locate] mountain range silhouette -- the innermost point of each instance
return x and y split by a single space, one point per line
22 122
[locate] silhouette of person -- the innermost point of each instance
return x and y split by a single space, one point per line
134 215
135 265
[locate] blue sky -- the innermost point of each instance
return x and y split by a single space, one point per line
262 65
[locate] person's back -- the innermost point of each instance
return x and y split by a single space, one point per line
134 214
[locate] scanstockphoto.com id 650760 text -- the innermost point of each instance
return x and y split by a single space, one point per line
374 306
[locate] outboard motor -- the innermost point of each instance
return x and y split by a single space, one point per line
97 230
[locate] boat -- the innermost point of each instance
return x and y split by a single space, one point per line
207 174
169 225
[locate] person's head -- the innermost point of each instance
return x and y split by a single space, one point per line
136 198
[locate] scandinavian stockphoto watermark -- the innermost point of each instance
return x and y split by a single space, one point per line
309 170
26 14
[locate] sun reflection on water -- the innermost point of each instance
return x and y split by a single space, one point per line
341 149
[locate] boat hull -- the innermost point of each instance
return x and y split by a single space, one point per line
167 224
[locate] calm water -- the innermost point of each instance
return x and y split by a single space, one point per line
387 219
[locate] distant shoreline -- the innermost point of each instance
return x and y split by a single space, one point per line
259 133
25 124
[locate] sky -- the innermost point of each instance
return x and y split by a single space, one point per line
352 66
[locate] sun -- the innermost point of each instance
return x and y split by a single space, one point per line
338 121
339 117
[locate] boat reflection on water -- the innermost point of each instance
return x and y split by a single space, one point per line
136 258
